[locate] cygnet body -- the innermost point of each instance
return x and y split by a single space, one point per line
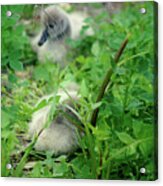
61 136
57 25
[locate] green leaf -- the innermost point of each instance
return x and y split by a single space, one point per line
81 59
84 89
102 131
144 131
5 119
125 138
146 147
16 65
116 109
36 172
81 167
141 129
95 49
88 20
96 105
12 78
41 73
60 169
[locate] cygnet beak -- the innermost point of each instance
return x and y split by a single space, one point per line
44 37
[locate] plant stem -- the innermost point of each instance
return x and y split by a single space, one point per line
106 81
18 172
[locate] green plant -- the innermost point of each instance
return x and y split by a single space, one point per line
122 139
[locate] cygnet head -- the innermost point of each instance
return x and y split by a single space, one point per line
56 25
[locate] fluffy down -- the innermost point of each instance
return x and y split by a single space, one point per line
57 25
61 136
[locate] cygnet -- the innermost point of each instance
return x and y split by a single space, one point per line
61 137
57 26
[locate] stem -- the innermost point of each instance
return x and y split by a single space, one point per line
20 166
106 81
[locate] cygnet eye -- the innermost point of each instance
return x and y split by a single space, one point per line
51 26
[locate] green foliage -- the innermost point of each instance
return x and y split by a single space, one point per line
15 44
122 142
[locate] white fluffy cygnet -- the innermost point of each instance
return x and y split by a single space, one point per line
57 25
61 136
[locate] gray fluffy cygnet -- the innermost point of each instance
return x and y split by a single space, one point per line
61 136
57 25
